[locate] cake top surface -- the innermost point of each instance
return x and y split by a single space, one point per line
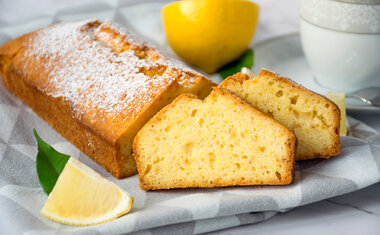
107 74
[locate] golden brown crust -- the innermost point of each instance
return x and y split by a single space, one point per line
334 148
57 113
162 115
106 139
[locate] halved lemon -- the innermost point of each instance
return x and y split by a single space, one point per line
210 33
83 197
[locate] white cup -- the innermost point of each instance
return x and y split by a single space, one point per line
341 42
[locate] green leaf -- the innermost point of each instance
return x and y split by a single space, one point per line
246 60
49 163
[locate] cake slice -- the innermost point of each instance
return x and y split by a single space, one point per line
96 84
220 141
313 118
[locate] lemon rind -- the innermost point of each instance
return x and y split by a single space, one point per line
125 205
90 222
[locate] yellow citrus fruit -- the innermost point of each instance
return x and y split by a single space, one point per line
249 72
83 197
210 33
339 99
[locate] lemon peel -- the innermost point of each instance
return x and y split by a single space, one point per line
83 197
210 33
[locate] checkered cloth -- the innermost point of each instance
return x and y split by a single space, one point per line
182 211
170 211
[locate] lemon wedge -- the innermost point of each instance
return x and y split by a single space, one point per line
249 72
83 197
339 99
210 33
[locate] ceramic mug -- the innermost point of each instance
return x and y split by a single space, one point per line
341 41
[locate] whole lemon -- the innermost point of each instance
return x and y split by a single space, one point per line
210 33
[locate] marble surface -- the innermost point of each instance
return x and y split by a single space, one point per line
354 213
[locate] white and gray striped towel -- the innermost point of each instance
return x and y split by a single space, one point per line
172 211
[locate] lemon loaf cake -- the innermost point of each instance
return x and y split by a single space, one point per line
221 141
314 119
96 84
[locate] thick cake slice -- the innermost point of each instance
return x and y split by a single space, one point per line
221 141
96 84
313 118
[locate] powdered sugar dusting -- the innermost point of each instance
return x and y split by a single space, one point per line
166 58
102 86
132 38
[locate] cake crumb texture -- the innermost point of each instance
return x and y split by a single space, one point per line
220 141
313 118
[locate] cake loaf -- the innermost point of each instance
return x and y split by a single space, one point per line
313 118
220 141
96 84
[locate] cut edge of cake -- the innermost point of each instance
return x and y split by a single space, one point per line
290 143
237 81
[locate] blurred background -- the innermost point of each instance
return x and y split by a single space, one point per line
278 17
